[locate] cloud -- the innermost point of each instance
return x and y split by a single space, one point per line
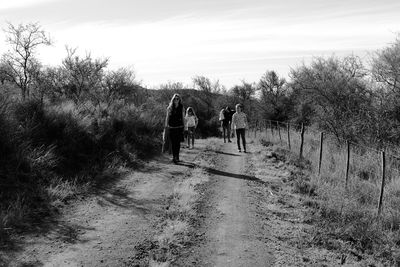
14 4
181 38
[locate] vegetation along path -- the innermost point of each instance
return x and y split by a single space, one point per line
218 207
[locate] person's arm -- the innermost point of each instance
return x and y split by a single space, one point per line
185 123
196 120
183 116
167 119
233 121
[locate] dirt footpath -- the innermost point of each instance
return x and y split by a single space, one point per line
104 229
233 229
218 207
251 217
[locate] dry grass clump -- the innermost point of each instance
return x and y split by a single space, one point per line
60 190
15 213
172 231
176 227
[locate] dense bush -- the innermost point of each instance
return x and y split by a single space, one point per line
336 91
43 145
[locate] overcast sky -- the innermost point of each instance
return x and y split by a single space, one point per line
229 40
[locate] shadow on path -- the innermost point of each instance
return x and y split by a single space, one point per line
222 173
123 198
233 175
229 154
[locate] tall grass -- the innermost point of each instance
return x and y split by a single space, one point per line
350 212
52 152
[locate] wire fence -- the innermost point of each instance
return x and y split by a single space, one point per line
366 175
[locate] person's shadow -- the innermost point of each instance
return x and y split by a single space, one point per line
229 154
222 173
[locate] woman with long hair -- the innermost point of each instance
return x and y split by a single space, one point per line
174 121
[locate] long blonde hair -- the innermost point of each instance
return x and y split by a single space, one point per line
171 102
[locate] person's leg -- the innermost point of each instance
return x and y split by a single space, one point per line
178 148
175 143
224 132
173 146
238 139
228 129
188 138
192 132
244 139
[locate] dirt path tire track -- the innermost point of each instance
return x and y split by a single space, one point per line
235 234
232 233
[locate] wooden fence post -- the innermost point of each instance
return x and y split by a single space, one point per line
288 135
383 182
321 143
301 140
272 130
347 162
279 132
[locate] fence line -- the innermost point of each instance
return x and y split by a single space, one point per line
310 129
389 166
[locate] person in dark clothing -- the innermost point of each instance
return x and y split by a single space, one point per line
174 121
226 124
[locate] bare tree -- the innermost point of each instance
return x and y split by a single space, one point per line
20 64
116 85
172 86
386 66
243 92
273 91
205 84
83 75
209 88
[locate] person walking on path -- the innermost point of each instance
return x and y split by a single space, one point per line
174 121
239 123
226 124
191 122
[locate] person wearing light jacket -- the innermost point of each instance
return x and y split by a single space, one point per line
191 122
240 124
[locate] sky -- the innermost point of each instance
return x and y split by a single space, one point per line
226 40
